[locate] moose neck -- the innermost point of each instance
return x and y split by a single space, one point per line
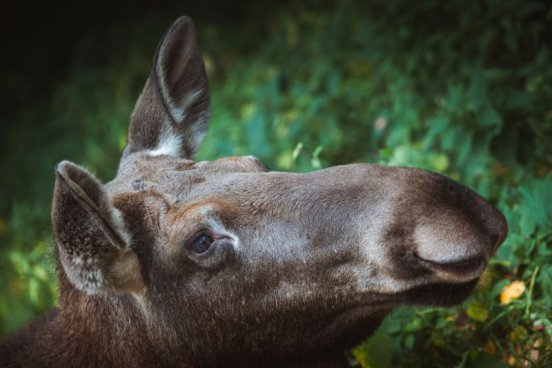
100 330
88 331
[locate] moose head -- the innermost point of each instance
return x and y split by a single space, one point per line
217 263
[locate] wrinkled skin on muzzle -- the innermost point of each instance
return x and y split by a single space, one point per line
221 263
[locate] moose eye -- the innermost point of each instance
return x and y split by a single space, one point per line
201 243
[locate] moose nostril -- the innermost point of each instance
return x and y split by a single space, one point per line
463 266
466 268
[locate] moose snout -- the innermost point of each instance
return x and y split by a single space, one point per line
456 239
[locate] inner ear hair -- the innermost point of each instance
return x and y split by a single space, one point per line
93 244
89 190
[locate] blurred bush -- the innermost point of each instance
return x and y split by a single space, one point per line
464 89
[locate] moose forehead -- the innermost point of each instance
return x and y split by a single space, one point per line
177 179
411 193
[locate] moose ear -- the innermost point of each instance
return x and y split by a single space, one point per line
172 112
92 242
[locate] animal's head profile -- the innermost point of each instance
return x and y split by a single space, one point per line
225 260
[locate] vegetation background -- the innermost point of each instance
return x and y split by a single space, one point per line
460 87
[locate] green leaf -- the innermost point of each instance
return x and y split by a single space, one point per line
485 360
375 352
489 117
477 311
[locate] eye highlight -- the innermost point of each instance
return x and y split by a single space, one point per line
201 243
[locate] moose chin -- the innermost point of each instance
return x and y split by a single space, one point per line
176 262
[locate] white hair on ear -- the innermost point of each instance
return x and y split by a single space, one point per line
179 111
119 223
169 143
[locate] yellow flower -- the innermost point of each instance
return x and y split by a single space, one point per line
511 292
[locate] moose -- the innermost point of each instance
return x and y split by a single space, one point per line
178 263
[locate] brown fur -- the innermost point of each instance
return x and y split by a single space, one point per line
301 266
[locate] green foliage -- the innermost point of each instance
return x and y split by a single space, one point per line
462 89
